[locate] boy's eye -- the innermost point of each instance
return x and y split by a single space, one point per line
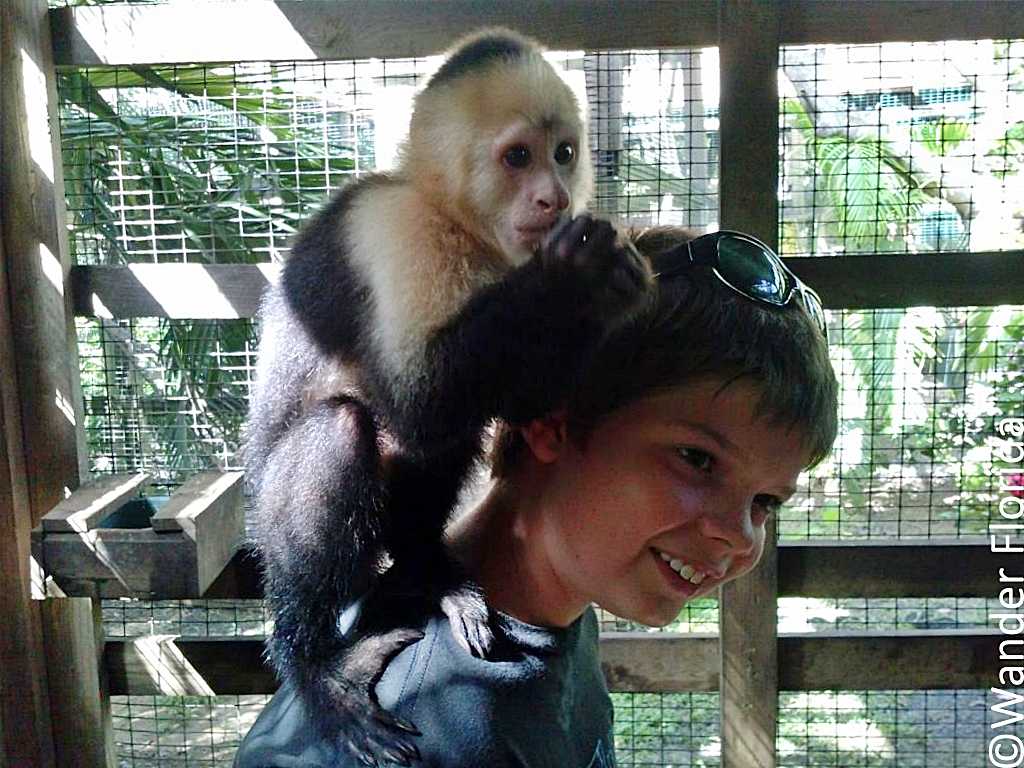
696 458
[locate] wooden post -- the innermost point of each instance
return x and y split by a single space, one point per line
749 53
74 645
43 441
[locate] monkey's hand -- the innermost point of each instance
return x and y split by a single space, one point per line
612 279
348 707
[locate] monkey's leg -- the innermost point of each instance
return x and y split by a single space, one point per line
422 492
320 527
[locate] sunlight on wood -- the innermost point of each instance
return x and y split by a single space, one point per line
33 82
65 406
168 668
181 289
162 31
50 265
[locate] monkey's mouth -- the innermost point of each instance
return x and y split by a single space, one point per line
534 236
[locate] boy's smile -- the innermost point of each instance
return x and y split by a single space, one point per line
666 501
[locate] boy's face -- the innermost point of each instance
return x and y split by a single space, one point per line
686 476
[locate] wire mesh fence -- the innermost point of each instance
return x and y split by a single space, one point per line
893 148
901 147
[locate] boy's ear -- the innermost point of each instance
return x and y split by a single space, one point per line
546 437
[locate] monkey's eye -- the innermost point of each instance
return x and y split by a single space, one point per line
517 156
564 153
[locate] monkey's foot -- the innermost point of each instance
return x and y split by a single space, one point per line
361 726
466 610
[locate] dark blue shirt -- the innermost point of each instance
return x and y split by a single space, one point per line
539 701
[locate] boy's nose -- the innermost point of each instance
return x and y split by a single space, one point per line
732 527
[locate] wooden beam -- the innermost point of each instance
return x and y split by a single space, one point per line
868 281
806 22
748 181
86 508
323 29
41 401
633 662
35 245
186 291
946 659
642 662
825 569
915 279
162 665
81 722
880 569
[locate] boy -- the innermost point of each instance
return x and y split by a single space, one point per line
649 488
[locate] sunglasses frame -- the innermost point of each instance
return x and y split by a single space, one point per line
704 251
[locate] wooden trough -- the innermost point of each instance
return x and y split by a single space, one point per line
107 541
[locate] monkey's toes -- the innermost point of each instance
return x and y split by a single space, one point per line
375 744
367 731
468 618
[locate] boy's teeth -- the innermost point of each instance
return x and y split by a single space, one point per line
684 570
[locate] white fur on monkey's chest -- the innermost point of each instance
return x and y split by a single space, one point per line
417 281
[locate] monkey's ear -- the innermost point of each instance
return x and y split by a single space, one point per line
547 437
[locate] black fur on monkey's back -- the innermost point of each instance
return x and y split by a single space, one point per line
352 458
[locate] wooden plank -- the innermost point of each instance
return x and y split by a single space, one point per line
643 662
807 22
922 660
208 511
825 569
324 29
73 650
201 493
915 279
748 181
35 241
240 580
41 400
24 702
886 569
863 281
201 291
114 562
175 666
640 662
86 507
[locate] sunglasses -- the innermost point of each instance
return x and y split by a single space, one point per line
747 266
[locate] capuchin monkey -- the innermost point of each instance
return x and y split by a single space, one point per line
415 307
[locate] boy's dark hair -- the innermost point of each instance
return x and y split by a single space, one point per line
697 327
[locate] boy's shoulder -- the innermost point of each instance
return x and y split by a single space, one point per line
470 711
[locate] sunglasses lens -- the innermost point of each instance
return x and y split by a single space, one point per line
749 268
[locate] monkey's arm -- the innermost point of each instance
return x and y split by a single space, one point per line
516 347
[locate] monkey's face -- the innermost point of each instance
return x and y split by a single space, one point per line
682 481
533 179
